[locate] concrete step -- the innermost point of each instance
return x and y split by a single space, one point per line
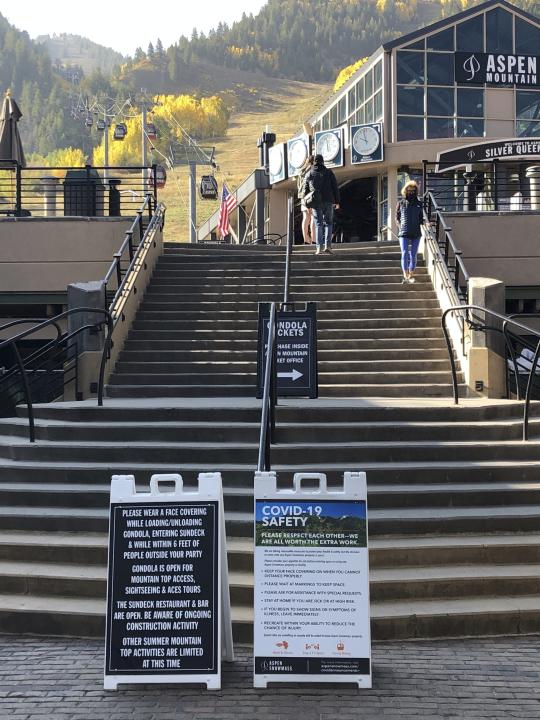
438 390
289 410
409 473
405 334
402 521
249 315
410 303
52 616
197 358
316 432
358 294
367 342
356 453
240 497
199 323
245 373
40 578
53 547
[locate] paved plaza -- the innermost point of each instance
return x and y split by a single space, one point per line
59 679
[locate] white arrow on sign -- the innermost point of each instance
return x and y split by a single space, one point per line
294 375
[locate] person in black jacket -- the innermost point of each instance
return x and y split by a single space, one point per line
410 218
323 182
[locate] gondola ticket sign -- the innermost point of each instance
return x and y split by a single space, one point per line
312 619
168 608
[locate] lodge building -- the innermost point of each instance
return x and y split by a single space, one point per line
454 106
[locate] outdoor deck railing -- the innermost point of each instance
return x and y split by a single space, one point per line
89 191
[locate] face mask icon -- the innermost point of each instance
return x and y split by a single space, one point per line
471 66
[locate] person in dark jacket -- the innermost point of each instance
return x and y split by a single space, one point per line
323 181
410 218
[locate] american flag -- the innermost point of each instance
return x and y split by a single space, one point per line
228 203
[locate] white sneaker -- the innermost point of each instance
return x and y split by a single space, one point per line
318 250
412 280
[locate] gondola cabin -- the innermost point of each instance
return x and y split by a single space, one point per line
151 131
100 124
120 131
160 176
208 187
89 121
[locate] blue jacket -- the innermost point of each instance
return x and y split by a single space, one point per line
410 217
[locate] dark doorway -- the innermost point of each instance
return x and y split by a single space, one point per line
357 216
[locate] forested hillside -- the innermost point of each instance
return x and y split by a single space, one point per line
313 39
67 49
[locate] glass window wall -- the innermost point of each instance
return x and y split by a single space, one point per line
443 40
470 35
499 31
527 37
410 68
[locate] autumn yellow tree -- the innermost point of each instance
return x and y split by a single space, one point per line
348 72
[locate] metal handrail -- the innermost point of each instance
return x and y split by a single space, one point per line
431 206
290 243
269 398
475 324
136 264
12 341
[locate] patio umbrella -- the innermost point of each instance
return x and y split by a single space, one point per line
10 140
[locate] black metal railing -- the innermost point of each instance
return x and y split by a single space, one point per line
269 398
124 256
43 375
452 256
290 245
485 186
112 191
474 317
131 258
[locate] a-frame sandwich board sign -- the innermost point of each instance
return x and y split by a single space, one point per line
311 619
168 608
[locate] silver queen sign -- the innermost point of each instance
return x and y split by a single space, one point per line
497 69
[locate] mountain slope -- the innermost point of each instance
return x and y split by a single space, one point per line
76 50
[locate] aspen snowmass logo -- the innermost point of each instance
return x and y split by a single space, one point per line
497 69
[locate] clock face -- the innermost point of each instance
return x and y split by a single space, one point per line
328 146
298 153
275 161
366 140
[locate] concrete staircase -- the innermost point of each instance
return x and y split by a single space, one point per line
454 494
195 334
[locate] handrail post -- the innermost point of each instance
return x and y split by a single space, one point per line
290 238
18 190
154 183
118 270
495 185
27 393
140 222
451 357
104 356
130 244
266 419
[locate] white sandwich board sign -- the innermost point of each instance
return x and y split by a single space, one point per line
312 621
168 607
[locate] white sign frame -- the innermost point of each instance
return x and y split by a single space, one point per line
123 491
354 490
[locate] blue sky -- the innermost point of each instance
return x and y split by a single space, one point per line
124 25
